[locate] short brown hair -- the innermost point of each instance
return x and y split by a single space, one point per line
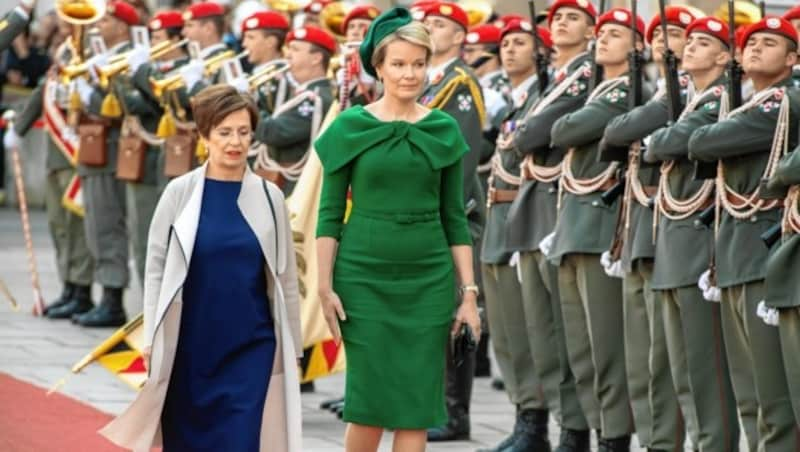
213 104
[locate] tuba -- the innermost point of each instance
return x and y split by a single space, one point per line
478 11
332 16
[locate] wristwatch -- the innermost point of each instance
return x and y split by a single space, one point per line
464 288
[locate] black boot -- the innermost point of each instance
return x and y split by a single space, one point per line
66 295
79 302
327 404
307 387
498 384
458 393
620 444
483 367
510 439
108 313
573 441
533 437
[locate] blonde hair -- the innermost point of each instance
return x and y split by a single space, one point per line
413 33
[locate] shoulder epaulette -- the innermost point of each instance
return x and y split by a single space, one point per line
446 93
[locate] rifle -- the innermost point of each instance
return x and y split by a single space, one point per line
708 170
611 153
597 70
542 62
762 6
670 62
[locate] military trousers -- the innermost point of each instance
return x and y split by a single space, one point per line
545 328
106 231
654 403
700 368
141 200
591 305
789 329
506 316
73 260
757 369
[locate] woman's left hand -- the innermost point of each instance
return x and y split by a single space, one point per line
468 313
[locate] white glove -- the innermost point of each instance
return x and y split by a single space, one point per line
768 315
28 4
84 89
241 84
710 293
340 77
192 72
546 245
494 102
514 262
10 139
611 267
138 56
101 59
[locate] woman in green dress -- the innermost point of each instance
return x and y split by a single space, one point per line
387 278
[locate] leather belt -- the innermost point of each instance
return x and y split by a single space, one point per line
609 184
650 190
500 196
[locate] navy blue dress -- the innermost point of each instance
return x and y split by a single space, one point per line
226 347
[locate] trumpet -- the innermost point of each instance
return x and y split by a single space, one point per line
120 65
271 71
174 80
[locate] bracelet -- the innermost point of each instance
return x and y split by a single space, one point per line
464 288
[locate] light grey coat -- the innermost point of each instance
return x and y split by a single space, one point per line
169 252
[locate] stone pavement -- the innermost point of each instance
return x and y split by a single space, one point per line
41 352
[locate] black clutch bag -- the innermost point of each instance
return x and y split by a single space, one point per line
462 344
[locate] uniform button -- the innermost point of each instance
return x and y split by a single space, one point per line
753 219
551 190
595 203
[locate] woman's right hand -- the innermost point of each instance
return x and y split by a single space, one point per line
334 312
146 352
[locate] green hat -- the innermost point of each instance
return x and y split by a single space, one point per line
384 25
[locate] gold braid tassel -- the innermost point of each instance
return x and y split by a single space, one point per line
75 103
111 107
166 126
201 151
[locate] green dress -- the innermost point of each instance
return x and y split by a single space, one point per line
393 271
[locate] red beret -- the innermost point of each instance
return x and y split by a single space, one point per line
124 12
315 6
202 10
676 15
619 16
583 5
738 34
314 35
502 21
166 19
448 10
265 20
793 13
771 24
710 26
483 34
368 12
524 26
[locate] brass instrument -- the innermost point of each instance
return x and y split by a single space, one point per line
332 16
173 80
286 6
120 65
478 11
79 13
271 71
745 13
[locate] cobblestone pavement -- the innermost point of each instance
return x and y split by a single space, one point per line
41 352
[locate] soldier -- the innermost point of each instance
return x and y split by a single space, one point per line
143 174
453 88
591 300
782 288
65 219
532 216
356 87
506 312
744 144
683 247
15 22
104 194
287 134
793 16
263 34
312 10
654 404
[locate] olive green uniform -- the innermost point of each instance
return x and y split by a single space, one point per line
288 134
692 325
591 301
654 404
498 83
73 260
530 218
504 300
743 142
11 25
